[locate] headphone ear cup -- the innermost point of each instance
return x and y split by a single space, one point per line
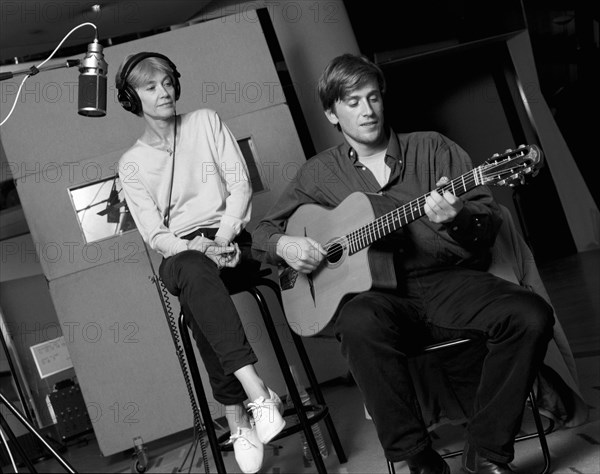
129 99
176 77
177 88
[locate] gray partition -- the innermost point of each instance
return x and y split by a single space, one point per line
51 149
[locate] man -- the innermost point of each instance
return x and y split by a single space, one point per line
186 185
443 291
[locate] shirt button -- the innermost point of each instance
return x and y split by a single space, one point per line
455 228
363 168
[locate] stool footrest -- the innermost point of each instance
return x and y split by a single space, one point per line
318 412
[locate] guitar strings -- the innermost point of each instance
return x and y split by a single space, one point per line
392 220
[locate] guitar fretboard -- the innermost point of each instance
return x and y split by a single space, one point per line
407 213
501 170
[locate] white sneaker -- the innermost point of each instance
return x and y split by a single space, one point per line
248 450
267 416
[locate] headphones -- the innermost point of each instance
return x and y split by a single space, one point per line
127 96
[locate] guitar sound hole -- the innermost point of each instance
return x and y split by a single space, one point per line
335 253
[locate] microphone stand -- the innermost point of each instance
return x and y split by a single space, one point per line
13 372
24 419
94 53
33 70
33 431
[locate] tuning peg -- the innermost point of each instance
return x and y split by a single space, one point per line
522 146
508 150
495 155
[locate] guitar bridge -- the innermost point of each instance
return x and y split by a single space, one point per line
287 278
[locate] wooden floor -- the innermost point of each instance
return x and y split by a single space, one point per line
573 284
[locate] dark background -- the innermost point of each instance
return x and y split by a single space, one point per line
468 38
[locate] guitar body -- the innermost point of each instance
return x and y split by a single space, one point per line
312 301
358 257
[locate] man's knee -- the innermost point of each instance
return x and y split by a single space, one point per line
356 317
533 316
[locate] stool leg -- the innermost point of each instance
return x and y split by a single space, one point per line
201 396
319 397
337 445
391 468
541 433
289 380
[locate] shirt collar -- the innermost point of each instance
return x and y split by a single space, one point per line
393 149
349 152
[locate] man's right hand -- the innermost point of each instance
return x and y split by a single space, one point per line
301 253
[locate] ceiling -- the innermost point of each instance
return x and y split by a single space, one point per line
31 29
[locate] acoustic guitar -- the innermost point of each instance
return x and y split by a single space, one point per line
347 232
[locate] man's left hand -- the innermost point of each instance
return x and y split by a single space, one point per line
442 208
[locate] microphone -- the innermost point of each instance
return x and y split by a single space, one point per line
92 82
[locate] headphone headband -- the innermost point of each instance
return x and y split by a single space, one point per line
127 95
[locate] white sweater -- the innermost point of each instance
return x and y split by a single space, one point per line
211 187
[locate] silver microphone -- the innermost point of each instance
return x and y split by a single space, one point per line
92 82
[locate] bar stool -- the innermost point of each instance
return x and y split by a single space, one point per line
540 434
320 410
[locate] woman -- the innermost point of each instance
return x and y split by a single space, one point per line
186 185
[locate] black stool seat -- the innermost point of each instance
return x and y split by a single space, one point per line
319 411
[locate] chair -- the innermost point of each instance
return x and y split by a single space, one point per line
509 255
320 410
541 433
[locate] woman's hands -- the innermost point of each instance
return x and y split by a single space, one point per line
221 252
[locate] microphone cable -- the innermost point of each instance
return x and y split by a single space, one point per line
163 293
168 210
198 437
35 69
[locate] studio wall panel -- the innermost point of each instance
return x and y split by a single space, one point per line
278 153
51 149
52 220
107 305
122 352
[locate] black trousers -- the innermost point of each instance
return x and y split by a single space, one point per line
204 296
378 329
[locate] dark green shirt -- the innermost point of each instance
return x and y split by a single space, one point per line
417 161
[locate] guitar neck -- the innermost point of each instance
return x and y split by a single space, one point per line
407 213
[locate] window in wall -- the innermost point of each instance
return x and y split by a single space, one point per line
249 153
101 209
8 195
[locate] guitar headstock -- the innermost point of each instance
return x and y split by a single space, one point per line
511 167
